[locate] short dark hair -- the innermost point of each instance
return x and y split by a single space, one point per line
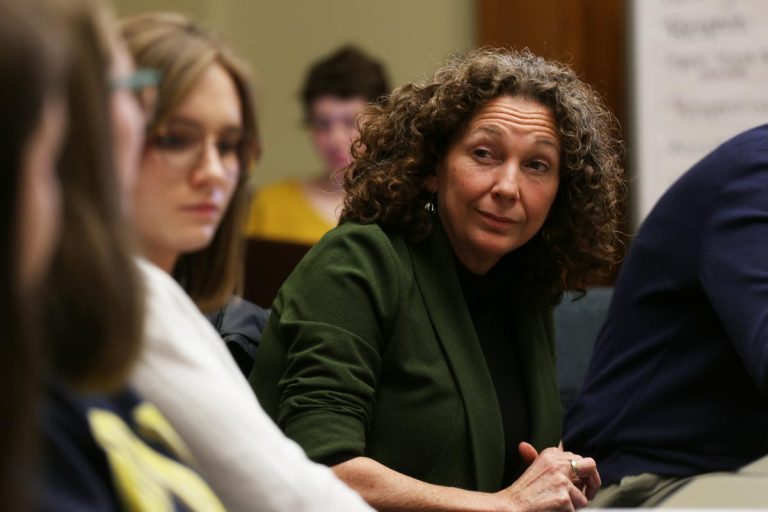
346 73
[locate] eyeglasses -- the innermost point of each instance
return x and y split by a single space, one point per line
181 144
143 83
326 123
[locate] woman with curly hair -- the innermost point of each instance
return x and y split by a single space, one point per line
412 349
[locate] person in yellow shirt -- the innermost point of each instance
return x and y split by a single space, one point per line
336 90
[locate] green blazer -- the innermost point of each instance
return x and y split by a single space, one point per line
370 350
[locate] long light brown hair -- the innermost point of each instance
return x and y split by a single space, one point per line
182 51
94 294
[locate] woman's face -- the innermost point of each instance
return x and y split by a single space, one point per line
189 171
498 180
40 201
333 129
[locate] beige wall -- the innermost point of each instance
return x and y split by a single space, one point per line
281 37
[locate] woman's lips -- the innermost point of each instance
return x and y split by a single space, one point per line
496 219
204 209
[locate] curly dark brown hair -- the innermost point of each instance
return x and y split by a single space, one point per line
403 139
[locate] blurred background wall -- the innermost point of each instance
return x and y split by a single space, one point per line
598 38
280 38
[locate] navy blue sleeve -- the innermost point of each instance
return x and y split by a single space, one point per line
734 259
76 475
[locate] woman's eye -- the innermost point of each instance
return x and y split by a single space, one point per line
320 125
172 141
227 147
482 153
538 166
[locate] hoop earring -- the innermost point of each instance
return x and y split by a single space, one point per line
430 206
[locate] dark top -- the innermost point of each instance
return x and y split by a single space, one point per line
113 452
240 323
371 350
487 298
678 384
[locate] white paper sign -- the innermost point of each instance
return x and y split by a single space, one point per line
700 76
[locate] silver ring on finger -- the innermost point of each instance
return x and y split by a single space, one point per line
575 470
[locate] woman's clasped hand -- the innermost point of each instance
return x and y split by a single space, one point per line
554 480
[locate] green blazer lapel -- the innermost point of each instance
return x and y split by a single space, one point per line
435 273
534 324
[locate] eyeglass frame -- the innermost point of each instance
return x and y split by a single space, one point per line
140 82
244 151
139 79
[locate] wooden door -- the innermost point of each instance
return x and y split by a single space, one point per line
589 35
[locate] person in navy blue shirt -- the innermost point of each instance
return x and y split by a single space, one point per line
678 383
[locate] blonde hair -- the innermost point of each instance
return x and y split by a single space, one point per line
182 51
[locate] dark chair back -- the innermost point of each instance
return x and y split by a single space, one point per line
577 324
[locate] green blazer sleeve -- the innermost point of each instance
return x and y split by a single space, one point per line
318 365
370 350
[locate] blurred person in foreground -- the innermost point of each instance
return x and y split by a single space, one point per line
188 208
104 447
412 349
678 382
33 60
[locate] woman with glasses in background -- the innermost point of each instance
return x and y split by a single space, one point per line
188 210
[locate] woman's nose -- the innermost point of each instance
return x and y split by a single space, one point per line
506 182
211 166
341 134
